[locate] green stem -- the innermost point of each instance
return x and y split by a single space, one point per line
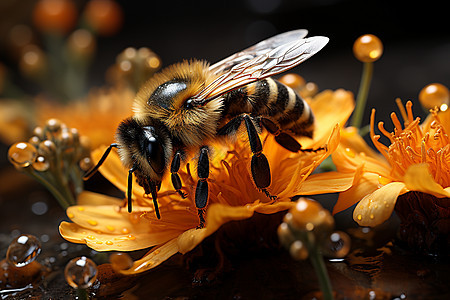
319 266
363 92
65 203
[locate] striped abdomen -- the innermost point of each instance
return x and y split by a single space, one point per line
270 98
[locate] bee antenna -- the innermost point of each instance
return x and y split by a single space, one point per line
100 162
130 187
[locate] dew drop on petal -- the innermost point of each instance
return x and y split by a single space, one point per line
23 250
80 272
337 245
22 154
120 261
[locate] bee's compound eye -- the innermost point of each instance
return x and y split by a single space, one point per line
155 155
189 104
153 149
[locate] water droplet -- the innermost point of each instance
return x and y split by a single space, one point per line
23 250
39 208
125 230
80 272
41 164
86 164
47 148
359 217
120 261
92 222
22 154
350 152
337 245
109 243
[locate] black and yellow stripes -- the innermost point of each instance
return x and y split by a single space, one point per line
272 99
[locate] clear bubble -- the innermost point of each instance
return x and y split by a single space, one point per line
337 245
22 154
80 272
41 164
23 250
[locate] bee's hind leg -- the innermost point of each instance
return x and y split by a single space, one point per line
201 192
174 167
282 138
259 166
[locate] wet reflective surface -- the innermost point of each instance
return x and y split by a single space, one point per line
378 267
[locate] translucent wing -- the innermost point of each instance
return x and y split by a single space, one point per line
258 49
269 62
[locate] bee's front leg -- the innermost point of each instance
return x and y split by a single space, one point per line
174 167
201 192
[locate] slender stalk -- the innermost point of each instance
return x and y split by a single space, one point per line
363 92
63 201
319 266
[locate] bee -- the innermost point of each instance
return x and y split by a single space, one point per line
185 107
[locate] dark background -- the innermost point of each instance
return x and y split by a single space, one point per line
415 34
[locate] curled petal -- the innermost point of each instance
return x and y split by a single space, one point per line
153 258
367 184
418 178
377 207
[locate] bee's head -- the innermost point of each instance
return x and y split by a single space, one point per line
144 147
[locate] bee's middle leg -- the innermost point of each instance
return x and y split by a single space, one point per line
201 192
259 165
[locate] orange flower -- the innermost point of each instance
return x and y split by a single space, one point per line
103 224
417 159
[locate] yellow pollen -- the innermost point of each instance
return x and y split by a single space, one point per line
99 242
359 217
156 252
110 228
109 243
372 216
80 208
70 215
131 237
92 222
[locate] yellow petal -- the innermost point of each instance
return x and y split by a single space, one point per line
108 228
367 184
153 258
377 207
350 138
90 198
103 241
329 108
418 178
329 182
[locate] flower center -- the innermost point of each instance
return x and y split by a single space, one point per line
415 144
